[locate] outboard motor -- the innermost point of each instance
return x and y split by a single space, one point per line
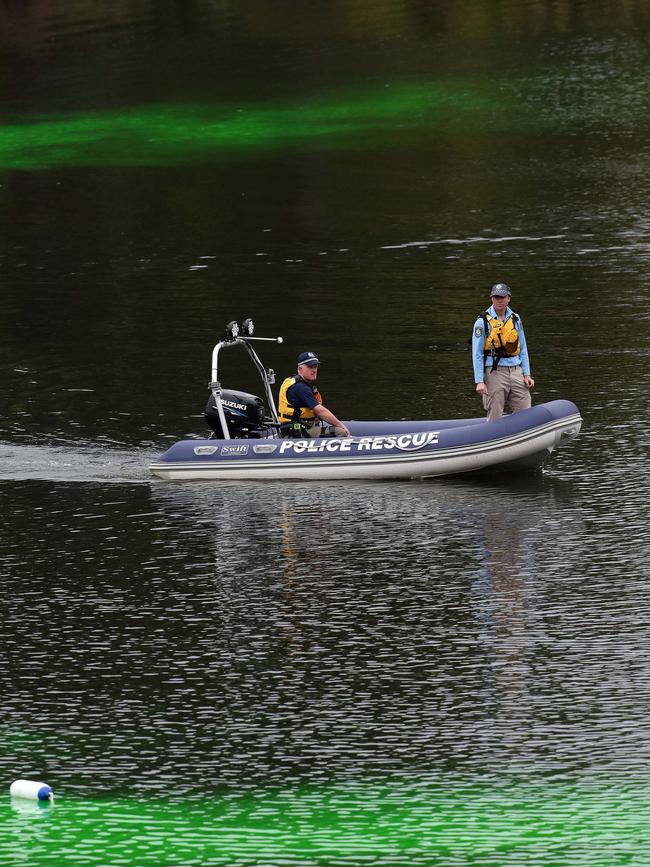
244 414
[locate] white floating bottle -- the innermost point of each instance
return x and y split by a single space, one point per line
31 789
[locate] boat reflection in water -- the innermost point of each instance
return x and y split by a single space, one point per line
419 611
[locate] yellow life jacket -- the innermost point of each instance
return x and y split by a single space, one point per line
502 337
291 413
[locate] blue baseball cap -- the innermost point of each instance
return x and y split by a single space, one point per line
309 358
500 290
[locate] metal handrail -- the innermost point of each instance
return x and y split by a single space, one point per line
268 377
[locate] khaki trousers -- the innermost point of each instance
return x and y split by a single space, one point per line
328 430
505 385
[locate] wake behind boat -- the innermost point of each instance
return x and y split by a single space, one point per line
246 442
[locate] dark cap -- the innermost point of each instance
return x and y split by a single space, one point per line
309 358
500 290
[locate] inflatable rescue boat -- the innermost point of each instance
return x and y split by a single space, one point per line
246 442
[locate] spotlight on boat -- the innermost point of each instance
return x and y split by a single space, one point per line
248 328
232 330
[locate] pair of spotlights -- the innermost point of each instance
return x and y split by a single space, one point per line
244 329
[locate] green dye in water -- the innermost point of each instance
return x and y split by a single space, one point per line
177 134
398 822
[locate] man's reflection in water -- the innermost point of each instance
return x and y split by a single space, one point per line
291 567
505 595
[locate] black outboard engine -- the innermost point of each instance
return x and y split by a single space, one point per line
244 414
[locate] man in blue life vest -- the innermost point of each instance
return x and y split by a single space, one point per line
300 405
500 356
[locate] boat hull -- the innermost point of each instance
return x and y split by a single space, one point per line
381 450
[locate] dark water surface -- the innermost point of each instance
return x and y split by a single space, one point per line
431 673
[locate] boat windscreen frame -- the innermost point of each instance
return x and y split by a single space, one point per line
267 376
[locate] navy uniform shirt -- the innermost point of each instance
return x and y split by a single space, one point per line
301 394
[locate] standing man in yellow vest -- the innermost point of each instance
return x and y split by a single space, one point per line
500 356
300 405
